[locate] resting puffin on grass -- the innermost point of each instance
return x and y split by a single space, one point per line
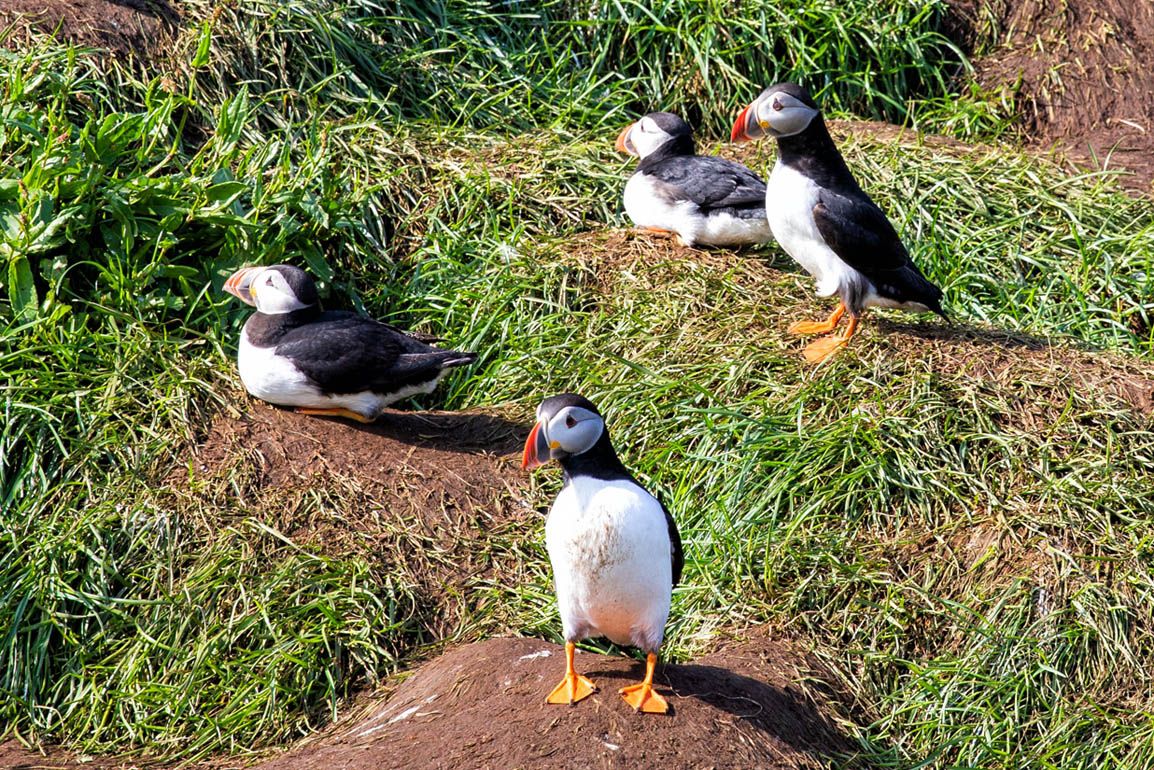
827 223
333 363
703 200
615 550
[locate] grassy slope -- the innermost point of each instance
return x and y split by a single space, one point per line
959 525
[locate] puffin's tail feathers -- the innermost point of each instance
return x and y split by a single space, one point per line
458 358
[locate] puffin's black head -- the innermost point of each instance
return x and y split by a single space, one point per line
782 110
273 290
657 130
567 425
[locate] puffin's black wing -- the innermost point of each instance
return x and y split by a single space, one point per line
351 354
711 183
332 315
862 236
677 555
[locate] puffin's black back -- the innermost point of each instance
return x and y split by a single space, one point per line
849 221
343 352
711 183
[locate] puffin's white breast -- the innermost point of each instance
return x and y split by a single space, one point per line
273 378
646 205
789 200
608 542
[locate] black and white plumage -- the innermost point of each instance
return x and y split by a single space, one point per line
327 362
615 550
705 200
826 222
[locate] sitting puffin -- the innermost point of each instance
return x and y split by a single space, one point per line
615 550
827 223
333 363
702 199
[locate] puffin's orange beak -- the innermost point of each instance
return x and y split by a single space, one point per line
536 449
623 144
742 131
239 284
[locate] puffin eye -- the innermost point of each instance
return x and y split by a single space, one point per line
569 421
777 105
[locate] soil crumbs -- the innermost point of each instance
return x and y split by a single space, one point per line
424 492
1077 71
117 27
758 703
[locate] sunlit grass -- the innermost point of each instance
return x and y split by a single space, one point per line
960 526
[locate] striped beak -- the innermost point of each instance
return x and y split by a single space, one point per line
239 284
537 451
746 128
624 143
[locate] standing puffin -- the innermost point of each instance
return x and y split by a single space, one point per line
702 199
333 363
615 550
827 223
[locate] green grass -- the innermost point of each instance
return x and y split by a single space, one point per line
961 528
579 63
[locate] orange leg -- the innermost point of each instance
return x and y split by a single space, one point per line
676 236
337 412
819 327
573 687
642 696
819 350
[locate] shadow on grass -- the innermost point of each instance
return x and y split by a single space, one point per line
960 332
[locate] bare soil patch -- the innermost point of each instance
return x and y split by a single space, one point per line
1077 70
427 492
758 703
138 28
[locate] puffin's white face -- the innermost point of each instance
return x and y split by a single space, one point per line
642 138
573 430
784 115
266 288
775 113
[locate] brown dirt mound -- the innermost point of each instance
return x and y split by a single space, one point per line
427 490
120 27
761 703
1078 71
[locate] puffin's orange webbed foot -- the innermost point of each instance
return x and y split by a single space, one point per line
573 687
337 412
642 697
820 350
819 327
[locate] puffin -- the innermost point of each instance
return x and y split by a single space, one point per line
331 363
701 199
827 223
614 548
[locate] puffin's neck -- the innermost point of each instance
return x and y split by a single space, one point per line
813 153
598 462
264 329
678 146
